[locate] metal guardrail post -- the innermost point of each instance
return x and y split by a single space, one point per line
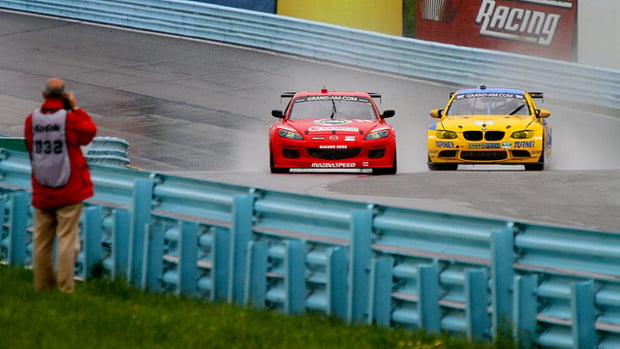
476 289
241 231
361 254
222 247
583 315
525 308
428 303
92 234
153 264
502 275
380 310
295 277
337 284
256 286
120 242
18 225
143 193
188 256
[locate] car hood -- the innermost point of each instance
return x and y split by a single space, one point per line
333 126
488 122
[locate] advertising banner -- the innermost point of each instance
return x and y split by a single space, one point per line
378 16
268 6
544 28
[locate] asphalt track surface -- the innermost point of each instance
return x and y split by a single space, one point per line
201 109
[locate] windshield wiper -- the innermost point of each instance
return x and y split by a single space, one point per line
333 109
516 109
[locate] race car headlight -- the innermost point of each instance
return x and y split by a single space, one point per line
289 134
522 134
377 135
443 134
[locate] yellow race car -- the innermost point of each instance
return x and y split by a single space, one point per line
487 125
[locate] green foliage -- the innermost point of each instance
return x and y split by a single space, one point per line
409 19
104 313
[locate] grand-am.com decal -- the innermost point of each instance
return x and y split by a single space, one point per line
520 24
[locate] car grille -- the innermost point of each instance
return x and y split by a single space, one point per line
494 135
334 154
479 135
484 155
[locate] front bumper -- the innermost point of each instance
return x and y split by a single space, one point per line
503 152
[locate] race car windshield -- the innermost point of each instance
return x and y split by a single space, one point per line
472 104
335 107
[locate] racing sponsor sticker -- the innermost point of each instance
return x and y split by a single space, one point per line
333 165
489 94
332 128
524 144
439 144
333 146
332 122
483 146
330 98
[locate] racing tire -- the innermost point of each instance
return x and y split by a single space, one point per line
386 170
539 166
277 169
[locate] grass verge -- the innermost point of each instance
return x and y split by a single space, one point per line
111 314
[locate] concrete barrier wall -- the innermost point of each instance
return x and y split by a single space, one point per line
562 81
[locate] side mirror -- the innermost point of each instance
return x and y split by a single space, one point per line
543 113
388 113
277 113
436 113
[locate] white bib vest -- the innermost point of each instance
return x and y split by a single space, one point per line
50 158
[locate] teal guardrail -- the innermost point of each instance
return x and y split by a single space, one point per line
563 81
553 286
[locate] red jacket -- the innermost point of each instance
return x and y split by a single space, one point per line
80 130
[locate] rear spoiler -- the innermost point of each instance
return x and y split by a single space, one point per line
375 95
290 94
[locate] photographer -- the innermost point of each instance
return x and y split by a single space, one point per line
61 182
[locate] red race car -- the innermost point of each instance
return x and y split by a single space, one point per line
332 130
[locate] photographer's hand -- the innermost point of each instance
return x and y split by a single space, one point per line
70 100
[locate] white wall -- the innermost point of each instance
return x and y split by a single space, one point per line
598 33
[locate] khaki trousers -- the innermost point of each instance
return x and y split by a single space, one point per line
49 224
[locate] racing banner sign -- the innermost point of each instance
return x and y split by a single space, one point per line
544 28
